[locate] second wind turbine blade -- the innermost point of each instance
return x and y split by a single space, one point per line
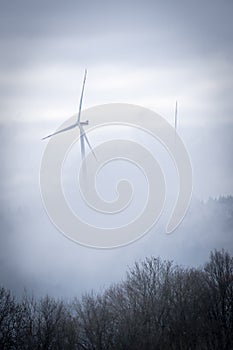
87 141
60 131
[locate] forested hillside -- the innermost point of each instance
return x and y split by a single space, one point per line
159 305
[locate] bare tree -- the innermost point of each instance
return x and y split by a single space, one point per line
219 279
10 320
95 322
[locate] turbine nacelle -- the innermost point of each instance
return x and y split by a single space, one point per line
84 123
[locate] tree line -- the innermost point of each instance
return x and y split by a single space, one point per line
159 305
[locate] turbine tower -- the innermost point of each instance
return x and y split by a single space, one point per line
176 117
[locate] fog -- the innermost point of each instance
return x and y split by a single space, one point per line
145 53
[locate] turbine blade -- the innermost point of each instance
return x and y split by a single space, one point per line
81 98
59 131
87 141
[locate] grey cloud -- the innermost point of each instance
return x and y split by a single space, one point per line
143 32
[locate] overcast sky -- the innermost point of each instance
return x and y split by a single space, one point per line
149 53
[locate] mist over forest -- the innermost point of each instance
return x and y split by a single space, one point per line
68 270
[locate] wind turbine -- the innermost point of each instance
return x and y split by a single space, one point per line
79 124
